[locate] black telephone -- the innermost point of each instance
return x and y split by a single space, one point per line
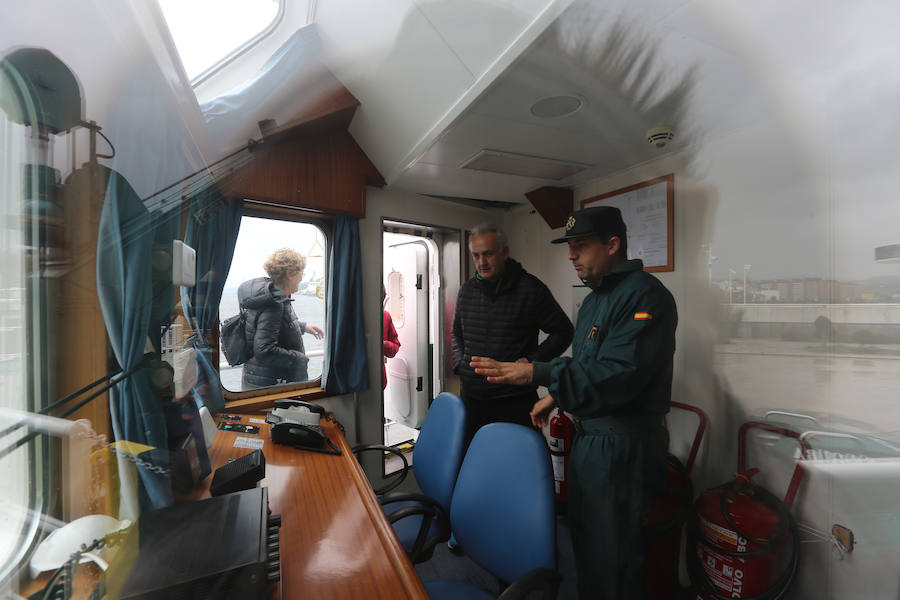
298 435
296 423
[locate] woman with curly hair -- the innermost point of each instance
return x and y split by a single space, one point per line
273 328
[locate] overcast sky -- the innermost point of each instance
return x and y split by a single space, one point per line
257 240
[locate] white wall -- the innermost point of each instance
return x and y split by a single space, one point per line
400 206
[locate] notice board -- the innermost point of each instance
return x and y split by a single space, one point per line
648 211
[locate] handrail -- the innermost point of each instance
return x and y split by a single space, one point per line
789 414
794 484
698 436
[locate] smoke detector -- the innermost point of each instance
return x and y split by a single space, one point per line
660 136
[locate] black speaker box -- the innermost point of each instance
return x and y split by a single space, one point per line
239 474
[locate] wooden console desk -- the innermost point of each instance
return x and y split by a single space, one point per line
336 542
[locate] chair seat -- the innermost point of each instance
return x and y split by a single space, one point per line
407 529
451 589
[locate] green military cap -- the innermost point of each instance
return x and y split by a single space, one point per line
597 220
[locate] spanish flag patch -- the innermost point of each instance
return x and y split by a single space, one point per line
642 316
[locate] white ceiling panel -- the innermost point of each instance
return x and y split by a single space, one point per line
478 31
477 131
390 57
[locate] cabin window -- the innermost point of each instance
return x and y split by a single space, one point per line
25 227
210 33
286 361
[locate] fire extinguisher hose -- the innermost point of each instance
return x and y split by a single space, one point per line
787 528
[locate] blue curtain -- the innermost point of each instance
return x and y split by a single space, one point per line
212 231
124 287
346 363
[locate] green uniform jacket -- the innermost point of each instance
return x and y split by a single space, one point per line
621 362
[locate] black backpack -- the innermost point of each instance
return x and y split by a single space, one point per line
233 340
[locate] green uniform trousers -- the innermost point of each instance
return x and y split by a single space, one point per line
617 465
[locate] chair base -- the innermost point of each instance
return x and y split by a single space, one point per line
451 589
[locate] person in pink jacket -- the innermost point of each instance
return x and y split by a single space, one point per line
391 341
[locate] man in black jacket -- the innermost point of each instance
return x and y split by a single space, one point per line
499 313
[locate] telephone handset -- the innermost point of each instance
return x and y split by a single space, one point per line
296 423
298 435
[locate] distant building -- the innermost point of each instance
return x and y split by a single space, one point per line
796 294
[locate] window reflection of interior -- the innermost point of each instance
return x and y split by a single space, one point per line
257 240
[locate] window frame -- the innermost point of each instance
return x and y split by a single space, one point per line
40 461
240 50
312 389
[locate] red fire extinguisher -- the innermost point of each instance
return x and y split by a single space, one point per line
561 432
666 516
746 542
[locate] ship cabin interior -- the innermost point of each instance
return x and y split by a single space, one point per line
154 154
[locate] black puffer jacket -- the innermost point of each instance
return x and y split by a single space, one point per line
501 320
276 335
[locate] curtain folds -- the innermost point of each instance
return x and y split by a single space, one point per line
346 366
124 287
212 231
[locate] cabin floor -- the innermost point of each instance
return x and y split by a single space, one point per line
444 564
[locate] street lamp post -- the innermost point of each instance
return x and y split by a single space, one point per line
746 268
731 273
710 259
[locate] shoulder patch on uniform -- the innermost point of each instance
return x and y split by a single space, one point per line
642 316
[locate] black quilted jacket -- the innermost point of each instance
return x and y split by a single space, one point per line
501 320
276 334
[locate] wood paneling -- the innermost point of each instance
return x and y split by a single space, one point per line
80 340
311 162
327 172
552 203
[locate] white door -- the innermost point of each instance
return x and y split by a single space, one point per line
406 282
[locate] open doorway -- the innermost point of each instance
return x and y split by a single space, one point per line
421 278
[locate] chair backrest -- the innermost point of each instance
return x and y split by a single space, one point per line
502 512
439 448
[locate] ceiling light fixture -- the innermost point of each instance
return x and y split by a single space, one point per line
554 107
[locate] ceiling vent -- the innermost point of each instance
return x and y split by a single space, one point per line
557 106
510 163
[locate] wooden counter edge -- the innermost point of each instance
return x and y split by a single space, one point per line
393 550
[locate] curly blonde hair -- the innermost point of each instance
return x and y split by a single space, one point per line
283 263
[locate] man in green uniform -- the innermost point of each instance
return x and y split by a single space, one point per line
618 384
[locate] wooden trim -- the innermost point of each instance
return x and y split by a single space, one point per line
395 554
669 180
265 402
553 203
267 210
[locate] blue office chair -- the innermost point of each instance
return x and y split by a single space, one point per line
503 516
421 521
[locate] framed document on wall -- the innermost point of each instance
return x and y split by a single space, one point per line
648 211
